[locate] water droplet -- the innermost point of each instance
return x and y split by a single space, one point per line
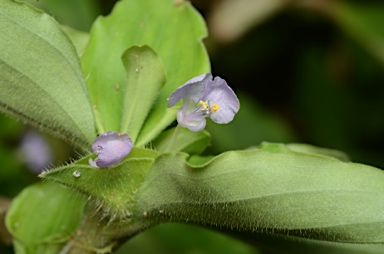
76 173
137 69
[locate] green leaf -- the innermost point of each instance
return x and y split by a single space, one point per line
145 77
186 141
111 189
173 30
198 160
111 194
43 217
41 80
285 193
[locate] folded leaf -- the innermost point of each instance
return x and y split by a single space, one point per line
145 78
273 190
111 189
281 192
41 79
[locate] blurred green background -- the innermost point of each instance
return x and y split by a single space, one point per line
305 71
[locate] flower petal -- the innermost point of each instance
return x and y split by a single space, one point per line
193 89
191 121
111 147
218 92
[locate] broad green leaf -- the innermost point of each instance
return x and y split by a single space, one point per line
285 193
145 78
43 217
173 30
41 80
184 141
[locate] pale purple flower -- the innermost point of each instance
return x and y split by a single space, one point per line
36 151
202 98
110 147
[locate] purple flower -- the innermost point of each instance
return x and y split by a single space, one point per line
202 98
110 147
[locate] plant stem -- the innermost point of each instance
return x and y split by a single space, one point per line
91 237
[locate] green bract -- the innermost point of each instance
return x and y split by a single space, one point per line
282 191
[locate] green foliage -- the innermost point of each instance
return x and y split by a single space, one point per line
43 217
173 31
145 78
38 59
293 198
282 192
112 189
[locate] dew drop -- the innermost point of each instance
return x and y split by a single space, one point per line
137 69
76 173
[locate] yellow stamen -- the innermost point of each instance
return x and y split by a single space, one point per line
214 108
204 104
206 107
